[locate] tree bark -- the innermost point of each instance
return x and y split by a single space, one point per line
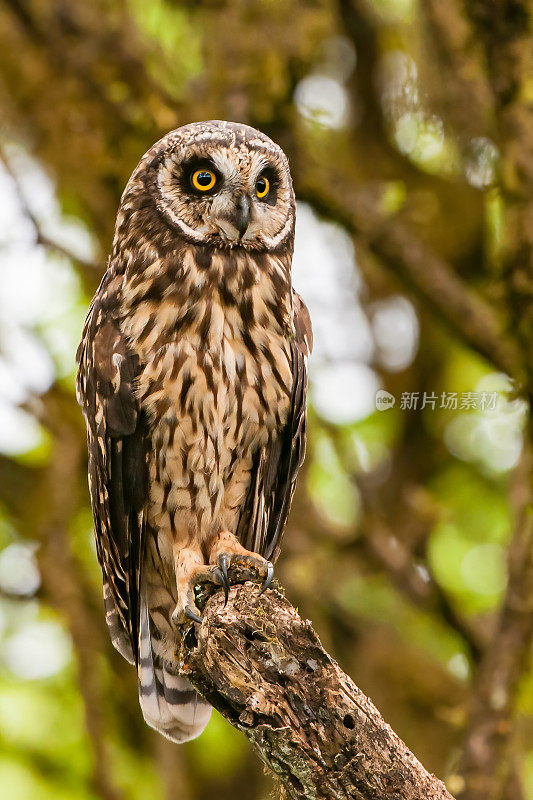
264 668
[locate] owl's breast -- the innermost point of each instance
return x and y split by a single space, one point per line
214 398
215 380
227 392
211 410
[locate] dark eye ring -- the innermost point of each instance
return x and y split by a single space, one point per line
262 187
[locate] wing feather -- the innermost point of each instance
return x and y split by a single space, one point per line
117 462
277 464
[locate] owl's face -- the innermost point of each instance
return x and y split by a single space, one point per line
222 184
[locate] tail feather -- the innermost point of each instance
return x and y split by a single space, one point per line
169 703
117 631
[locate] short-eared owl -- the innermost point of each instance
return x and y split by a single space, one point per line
192 377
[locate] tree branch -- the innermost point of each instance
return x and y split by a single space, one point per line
429 276
485 770
265 670
454 61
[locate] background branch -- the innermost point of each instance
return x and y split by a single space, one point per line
91 270
485 772
428 275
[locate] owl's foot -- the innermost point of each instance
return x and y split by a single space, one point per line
257 563
190 572
226 551
186 607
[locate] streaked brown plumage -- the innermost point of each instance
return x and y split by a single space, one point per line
192 378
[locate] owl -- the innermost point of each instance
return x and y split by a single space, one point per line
192 379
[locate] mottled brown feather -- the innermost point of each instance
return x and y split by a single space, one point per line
116 441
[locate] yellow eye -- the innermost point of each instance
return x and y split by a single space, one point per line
262 187
203 179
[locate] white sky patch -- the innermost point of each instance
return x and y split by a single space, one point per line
344 393
493 437
19 431
39 193
37 650
325 273
25 362
322 99
343 386
40 299
36 286
396 330
19 573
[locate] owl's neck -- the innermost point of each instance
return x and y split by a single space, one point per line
205 295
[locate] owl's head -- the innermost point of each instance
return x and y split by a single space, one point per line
219 183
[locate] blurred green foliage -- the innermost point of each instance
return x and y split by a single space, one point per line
398 539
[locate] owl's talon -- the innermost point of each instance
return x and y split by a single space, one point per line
188 611
257 564
261 565
268 579
184 612
224 582
223 566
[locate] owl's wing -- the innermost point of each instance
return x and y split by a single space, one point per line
117 463
277 464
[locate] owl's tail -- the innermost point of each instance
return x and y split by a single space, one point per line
169 703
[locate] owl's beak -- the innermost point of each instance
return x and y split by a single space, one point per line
241 215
